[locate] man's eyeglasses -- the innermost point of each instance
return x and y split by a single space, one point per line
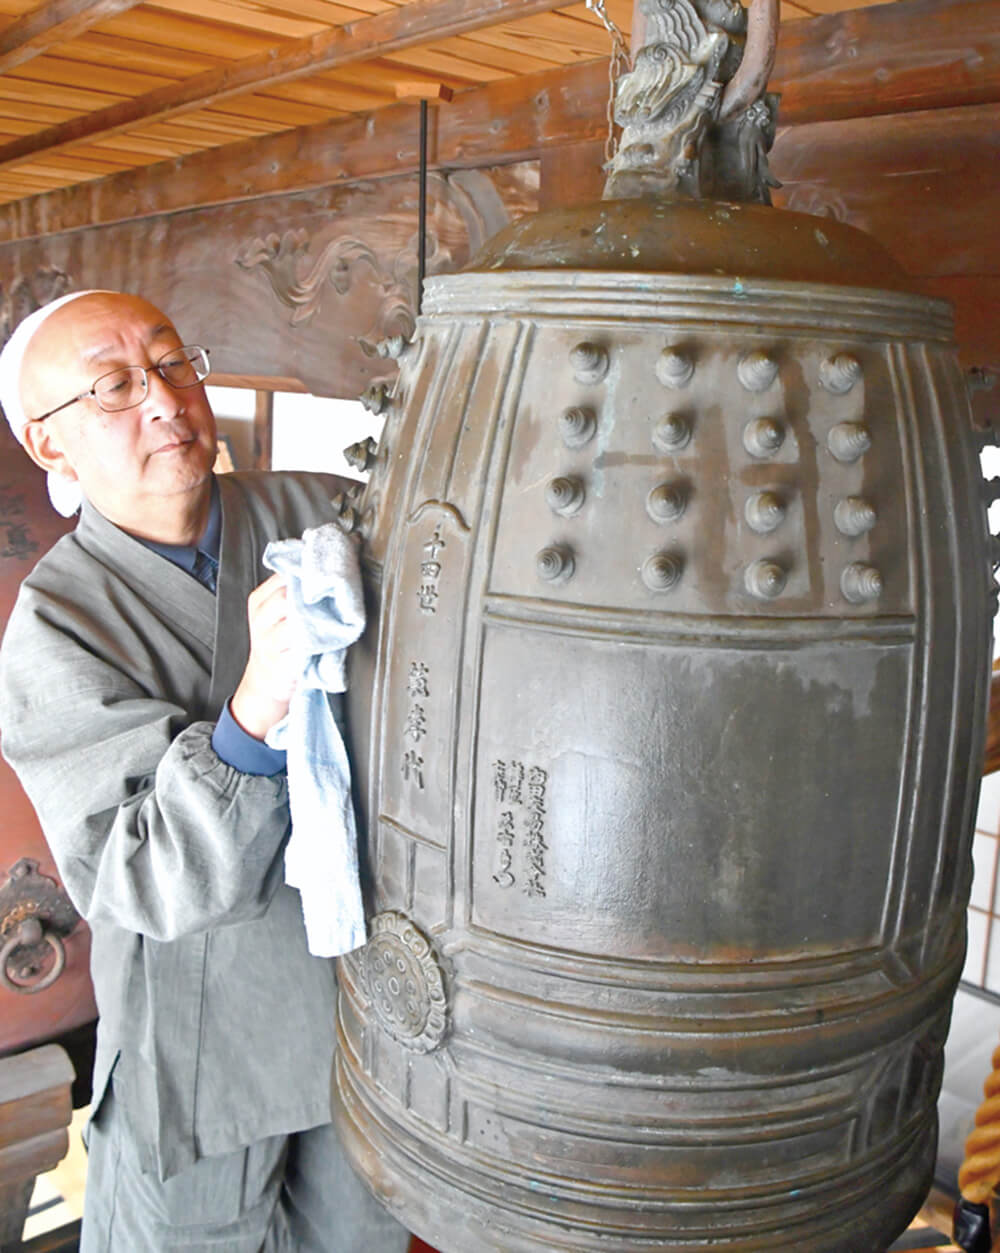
128 386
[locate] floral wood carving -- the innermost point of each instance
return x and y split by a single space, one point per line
466 200
819 200
298 285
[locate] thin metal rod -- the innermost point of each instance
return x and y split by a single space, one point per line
422 209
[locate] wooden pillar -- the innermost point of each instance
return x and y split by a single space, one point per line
263 427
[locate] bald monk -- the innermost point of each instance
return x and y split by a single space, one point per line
141 669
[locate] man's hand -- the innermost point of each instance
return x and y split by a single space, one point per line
262 697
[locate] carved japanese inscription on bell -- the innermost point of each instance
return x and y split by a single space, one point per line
667 729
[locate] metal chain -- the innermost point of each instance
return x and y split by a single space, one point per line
618 63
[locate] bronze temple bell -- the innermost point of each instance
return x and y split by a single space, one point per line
669 719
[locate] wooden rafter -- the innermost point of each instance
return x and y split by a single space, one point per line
51 24
419 22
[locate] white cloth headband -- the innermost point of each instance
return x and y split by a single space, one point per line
64 493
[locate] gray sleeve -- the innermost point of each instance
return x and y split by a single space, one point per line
151 830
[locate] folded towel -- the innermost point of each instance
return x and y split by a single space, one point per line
327 614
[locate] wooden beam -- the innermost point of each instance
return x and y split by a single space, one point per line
54 23
893 58
421 21
977 319
571 174
905 178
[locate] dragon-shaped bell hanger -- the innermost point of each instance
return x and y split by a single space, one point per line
697 120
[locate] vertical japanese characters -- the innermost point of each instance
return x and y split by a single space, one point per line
415 727
520 793
430 572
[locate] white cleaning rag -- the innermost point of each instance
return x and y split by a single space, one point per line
327 614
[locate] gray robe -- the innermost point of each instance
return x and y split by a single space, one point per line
115 665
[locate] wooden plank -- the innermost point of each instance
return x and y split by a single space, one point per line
925 184
225 44
32 1157
576 28
332 11
38 1100
205 130
560 36
62 71
383 33
180 143
34 1071
440 64
75 98
571 175
524 116
329 91
265 108
15 189
336 12
378 74
143 151
977 321
51 24
261 18
176 132
13 115
224 126
910 55
73 167
494 56
35 1109
435 93
17 177
98 50
516 40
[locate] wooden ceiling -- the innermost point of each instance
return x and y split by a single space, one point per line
92 87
